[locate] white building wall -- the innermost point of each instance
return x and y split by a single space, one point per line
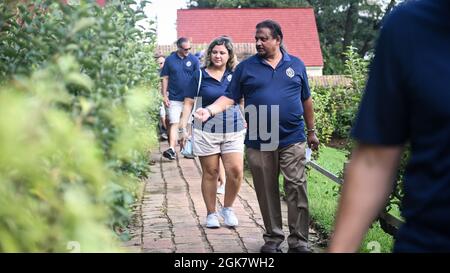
314 70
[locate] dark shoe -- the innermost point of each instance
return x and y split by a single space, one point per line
299 249
270 247
169 154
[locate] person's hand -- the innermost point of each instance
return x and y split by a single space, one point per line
313 141
202 114
166 101
182 137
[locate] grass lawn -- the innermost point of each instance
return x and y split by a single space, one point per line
323 198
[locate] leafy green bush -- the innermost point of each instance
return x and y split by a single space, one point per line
335 107
84 87
356 68
51 172
324 113
105 42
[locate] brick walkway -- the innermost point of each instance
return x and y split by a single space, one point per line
171 215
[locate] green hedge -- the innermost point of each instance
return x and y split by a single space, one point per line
335 107
79 90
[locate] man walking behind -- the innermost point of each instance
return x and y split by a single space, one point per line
177 72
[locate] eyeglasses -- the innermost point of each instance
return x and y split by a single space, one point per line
186 49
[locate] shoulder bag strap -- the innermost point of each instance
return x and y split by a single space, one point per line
198 91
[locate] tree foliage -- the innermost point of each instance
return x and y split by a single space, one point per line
344 23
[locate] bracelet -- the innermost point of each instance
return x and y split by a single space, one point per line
210 112
311 130
181 130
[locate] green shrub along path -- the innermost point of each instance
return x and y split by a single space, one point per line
77 86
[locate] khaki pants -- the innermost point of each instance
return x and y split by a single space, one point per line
265 168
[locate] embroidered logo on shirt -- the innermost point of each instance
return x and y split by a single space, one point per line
229 77
290 72
188 63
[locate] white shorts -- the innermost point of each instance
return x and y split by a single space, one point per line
206 143
175 109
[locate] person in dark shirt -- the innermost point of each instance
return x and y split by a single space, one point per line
221 136
270 81
222 179
176 73
406 100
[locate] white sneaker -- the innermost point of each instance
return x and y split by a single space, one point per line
229 217
212 221
221 189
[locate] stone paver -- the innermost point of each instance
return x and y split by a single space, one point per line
170 217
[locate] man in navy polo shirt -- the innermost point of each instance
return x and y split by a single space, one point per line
177 72
275 89
407 99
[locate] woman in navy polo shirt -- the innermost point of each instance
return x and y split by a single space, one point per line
221 136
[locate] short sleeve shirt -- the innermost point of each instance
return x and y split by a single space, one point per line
210 90
273 100
180 71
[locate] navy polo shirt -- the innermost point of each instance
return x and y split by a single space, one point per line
407 99
210 90
180 72
265 90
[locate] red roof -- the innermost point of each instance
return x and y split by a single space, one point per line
298 25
